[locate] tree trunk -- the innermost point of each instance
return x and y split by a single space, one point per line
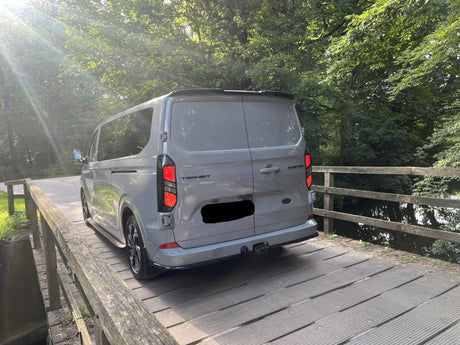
10 132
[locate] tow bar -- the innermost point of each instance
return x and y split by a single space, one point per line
260 248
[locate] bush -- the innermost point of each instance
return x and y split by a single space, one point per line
11 225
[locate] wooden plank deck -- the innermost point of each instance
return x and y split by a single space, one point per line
313 292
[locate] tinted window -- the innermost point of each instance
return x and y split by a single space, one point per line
208 126
133 133
107 141
271 124
92 149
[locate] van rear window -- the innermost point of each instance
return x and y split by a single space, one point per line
208 126
271 124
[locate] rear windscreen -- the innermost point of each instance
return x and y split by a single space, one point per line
208 126
271 124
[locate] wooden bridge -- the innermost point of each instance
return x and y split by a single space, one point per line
314 292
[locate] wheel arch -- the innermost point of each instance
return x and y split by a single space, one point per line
128 209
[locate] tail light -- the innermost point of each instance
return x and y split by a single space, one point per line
308 170
166 184
171 245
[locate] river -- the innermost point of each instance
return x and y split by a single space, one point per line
405 213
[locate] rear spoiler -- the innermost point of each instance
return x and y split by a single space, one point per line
186 92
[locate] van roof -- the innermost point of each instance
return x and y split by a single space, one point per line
186 92
195 92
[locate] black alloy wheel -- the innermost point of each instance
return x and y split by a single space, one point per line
135 250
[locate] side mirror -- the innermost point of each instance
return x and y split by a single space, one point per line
77 155
78 158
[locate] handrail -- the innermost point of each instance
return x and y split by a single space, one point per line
119 317
329 191
415 171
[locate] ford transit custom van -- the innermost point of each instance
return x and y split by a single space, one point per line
197 176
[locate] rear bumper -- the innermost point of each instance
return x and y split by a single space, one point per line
178 258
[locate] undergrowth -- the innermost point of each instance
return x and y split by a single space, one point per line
11 225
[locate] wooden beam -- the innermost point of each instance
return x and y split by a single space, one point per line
9 188
31 212
71 295
15 182
442 172
410 199
385 224
51 266
328 203
123 318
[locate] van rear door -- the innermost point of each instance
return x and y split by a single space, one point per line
277 151
207 141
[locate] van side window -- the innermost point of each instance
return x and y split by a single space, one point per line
271 124
106 146
92 148
133 133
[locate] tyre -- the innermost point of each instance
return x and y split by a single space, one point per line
135 251
84 208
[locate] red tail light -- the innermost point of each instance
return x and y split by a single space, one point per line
308 170
169 173
170 199
169 245
166 184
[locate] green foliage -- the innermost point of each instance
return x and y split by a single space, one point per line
10 225
376 81
445 250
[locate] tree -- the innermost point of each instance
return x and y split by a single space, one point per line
363 66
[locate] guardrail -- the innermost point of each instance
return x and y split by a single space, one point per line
329 191
119 317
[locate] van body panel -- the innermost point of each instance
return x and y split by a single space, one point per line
208 144
228 179
183 257
280 196
104 205
133 183
277 152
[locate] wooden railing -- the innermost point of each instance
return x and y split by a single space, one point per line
329 191
119 317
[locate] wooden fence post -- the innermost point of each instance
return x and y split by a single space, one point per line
10 190
328 203
51 266
100 336
31 213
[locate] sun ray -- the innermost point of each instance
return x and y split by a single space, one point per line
55 53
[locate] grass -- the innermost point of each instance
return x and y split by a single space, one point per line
11 225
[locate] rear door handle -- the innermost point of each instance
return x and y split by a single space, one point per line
270 169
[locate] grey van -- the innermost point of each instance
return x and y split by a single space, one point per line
199 175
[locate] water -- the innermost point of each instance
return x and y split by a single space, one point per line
405 213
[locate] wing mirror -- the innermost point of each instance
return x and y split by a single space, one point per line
78 158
